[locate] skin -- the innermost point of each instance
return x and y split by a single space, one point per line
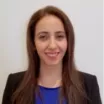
50 37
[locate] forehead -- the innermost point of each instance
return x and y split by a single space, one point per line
49 23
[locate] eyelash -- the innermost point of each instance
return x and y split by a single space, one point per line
42 37
60 36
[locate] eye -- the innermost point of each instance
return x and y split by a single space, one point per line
44 37
41 37
60 37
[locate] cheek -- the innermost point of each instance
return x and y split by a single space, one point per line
40 47
64 46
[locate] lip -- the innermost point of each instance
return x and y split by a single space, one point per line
51 52
52 57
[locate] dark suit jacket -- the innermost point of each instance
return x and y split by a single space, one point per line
90 81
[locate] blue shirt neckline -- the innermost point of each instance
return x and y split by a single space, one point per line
49 88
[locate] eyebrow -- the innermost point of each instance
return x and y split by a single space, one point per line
46 32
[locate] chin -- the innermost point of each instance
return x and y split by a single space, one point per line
52 63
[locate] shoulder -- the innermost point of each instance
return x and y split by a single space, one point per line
15 78
92 87
87 75
90 80
12 83
18 74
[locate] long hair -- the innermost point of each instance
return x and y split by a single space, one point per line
72 80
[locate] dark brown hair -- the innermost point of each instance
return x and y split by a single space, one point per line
72 81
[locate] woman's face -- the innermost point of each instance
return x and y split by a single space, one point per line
50 40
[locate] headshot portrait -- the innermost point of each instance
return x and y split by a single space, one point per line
53 74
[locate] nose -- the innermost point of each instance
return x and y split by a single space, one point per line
52 43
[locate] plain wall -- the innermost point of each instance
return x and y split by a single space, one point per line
87 20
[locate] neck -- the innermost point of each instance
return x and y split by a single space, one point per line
50 76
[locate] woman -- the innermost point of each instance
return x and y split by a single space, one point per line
51 77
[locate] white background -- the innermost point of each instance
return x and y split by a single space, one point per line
86 17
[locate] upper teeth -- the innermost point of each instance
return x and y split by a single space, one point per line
52 54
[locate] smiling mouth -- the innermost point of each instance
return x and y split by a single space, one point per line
52 55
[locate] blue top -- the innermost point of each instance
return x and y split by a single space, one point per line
49 95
